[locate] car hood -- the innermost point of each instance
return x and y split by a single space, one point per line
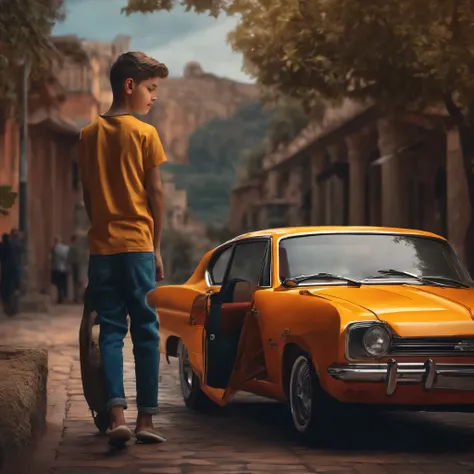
406 303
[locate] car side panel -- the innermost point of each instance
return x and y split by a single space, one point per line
173 305
290 318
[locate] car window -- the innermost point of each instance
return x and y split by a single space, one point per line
265 279
218 268
247 261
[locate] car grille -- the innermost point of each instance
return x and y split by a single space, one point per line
442 346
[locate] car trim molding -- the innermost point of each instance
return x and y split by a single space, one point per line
392 373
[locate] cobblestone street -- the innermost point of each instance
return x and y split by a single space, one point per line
252 435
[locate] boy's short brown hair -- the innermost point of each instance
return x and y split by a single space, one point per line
137 66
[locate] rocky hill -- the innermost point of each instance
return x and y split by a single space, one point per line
214 157
185 103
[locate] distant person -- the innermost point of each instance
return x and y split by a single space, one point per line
6 274
75 268
17 251
59 268
123 195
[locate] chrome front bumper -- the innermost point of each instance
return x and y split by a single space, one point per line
429 375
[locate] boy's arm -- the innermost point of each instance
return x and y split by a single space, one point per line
154 189
154 156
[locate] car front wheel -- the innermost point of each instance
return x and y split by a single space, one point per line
193 396
309 404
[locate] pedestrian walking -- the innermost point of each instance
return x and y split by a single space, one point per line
119 164
59 268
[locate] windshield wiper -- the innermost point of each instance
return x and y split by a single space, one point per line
422 279
447 280
294 281
392 272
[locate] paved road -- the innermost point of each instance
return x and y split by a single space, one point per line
252 435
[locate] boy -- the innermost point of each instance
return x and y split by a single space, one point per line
123 195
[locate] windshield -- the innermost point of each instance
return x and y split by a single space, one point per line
362 256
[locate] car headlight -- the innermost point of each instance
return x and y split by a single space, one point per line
376 341
366 340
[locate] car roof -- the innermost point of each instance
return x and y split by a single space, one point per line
289 231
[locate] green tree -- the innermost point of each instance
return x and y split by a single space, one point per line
286 123
7 199
399 53
25 34
288 119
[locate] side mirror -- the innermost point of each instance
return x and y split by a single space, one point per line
289 283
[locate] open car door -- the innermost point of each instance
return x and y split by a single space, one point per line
232 349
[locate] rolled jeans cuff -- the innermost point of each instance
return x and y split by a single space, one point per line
147 411
117 402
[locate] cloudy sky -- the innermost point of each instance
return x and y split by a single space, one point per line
174 38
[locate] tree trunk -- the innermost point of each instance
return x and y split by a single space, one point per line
465 125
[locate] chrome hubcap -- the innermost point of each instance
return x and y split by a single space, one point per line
301 394
186 372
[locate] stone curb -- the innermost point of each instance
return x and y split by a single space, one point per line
23 396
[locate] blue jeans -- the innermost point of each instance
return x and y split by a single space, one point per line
118 285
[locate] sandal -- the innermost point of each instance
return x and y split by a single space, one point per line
119 436
149 436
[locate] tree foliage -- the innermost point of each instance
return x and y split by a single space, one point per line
7 199
287 121
213 7
396 52
25 31
399 52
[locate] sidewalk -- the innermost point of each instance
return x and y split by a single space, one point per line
250 436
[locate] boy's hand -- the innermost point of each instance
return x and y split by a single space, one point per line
160 274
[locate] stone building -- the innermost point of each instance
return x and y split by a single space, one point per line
87 85
105 53
361 167
51 188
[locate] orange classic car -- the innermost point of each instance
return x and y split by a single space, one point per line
318 316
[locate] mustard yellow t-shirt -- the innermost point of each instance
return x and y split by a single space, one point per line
115 153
